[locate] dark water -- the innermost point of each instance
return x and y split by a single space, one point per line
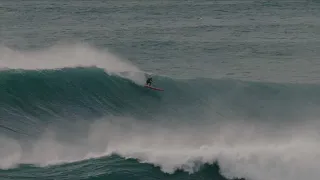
241 97
55 121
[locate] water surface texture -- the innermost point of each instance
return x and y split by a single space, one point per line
241 99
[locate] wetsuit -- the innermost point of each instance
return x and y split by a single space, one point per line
149 81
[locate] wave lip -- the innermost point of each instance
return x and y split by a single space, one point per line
69 56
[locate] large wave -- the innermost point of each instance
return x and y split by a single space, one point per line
74 110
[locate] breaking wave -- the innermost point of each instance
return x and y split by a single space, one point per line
79 108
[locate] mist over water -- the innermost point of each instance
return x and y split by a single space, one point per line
74 55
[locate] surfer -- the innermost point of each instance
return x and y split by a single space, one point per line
148 85
149 81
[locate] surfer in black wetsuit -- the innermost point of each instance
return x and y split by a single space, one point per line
149 81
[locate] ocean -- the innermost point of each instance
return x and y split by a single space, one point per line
241 97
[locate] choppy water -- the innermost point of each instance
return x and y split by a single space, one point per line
241 97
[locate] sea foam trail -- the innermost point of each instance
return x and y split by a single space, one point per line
76 55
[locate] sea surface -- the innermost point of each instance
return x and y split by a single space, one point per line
241 97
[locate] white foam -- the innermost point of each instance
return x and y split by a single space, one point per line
10 152
244 151
75 55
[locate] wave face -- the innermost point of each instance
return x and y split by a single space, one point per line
92 120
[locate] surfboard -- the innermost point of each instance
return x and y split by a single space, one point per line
154 88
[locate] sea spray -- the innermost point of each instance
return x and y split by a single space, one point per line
74 55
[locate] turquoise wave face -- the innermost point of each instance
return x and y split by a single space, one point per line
53 121
92 91
113 168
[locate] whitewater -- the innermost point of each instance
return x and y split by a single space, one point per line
252 130
241 81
